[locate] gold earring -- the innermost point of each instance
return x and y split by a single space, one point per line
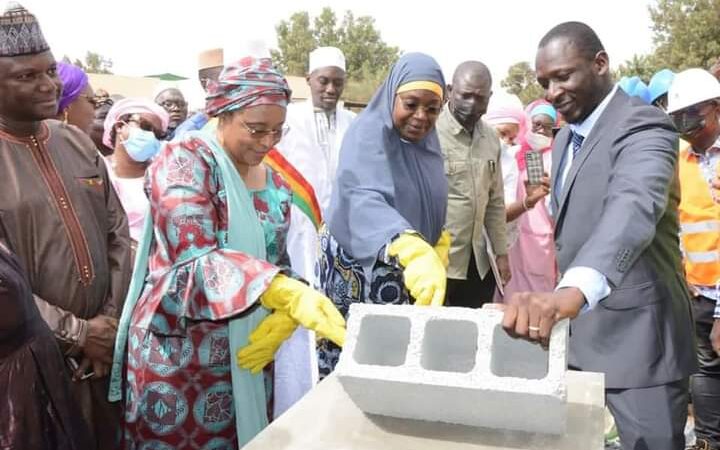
65 116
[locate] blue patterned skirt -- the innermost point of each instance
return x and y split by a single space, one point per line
344 281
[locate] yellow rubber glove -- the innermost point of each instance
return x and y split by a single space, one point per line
442 248
265 341
424 273
306 306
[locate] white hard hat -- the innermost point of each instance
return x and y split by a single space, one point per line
690 87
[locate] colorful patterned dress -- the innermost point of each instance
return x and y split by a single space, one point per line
178 382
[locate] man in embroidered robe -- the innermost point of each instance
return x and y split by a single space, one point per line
62 218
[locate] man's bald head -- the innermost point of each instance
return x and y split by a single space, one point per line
474 70
470 93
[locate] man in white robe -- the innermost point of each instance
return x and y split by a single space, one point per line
312 146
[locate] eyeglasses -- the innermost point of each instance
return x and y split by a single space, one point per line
539 127
100 100
147 126
696 110
171 105
412 105
260 134
691 119
90 98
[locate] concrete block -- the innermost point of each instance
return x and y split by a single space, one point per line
453 365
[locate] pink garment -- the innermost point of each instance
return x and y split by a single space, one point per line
506 114
532 257
524 147
131 192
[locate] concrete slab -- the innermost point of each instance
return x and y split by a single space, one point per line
327 419
453 365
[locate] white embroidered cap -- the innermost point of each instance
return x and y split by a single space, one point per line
326 57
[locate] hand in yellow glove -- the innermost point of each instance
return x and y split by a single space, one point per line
265 341
442 248
424 272
307 306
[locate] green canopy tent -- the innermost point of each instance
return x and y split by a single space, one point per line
167 77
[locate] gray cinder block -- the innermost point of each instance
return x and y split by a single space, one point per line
453 365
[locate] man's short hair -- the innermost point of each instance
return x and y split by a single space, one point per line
579 34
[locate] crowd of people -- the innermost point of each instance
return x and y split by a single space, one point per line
175 279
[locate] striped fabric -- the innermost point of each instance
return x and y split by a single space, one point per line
303 193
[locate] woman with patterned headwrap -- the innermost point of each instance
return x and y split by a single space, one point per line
209 277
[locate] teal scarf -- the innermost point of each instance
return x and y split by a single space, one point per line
245 234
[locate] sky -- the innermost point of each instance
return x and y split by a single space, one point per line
145 37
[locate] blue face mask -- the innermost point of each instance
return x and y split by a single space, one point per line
141 145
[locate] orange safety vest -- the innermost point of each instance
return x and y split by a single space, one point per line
699 223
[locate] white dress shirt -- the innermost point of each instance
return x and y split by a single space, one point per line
593 284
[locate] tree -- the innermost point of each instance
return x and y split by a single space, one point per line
96 63
521 81
295 42
325 31
686 32
66 59
362 87
366 54
643 66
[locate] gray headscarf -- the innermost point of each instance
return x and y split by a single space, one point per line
386 185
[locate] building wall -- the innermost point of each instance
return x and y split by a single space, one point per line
148 87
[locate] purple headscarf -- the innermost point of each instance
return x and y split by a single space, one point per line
74 81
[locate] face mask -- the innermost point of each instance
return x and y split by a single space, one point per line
463 111
538 141
686 123
141 145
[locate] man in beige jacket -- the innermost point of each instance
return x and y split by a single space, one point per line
475 202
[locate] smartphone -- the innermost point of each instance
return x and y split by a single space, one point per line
534 167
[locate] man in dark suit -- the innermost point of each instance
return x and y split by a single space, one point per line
614 200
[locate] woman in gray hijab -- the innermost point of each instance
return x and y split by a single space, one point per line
388 206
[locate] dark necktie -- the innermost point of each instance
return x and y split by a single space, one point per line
577 141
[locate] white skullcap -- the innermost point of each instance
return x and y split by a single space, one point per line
326 57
